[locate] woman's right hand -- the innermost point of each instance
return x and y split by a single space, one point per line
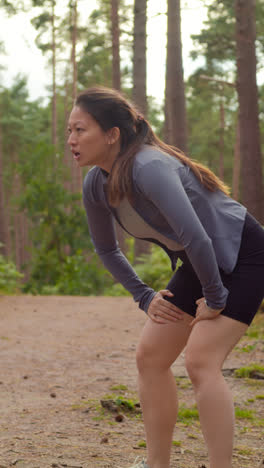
161 311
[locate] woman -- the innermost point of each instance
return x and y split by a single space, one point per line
157 193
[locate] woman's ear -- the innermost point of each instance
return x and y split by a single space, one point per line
113 135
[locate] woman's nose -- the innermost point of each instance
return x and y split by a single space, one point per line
70 139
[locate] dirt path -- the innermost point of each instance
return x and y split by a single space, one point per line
61 355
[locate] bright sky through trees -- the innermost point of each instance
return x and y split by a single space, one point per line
23 56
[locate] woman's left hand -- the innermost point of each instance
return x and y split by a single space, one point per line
204 312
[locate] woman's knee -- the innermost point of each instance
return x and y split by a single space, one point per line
160 345
149 357
199 367
145 357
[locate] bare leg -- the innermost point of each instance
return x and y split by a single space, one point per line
208 346
158 348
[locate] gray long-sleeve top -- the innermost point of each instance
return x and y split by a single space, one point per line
169 198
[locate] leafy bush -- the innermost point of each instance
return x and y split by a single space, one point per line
116 290
70 275
153 269
9 277
80 276
249 371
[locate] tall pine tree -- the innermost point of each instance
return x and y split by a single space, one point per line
251 159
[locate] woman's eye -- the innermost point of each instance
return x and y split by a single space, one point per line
78 129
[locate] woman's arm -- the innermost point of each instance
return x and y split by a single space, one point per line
160 182
102 231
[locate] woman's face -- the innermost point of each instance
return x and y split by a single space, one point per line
89 144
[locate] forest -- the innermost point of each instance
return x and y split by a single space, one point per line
215 115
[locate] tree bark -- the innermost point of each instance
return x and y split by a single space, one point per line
17 219
236 166
116 74
67 182
74 42
54 91
250 149
116 84
3 226
139 92
222 137
76 170
175 130
26 246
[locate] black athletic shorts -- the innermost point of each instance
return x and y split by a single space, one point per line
245 283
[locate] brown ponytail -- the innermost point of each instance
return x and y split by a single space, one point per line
110 109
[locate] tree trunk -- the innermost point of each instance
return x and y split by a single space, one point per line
175 110
28 246
222 137
116 74
251 160
236 166
3 226
139 93
17 219
74 41
24 238
9 226
116 83
54 92
67 182
76 170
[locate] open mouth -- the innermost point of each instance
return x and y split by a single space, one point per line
76 155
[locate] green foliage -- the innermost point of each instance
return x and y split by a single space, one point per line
8 6
10 278
62 258
186 415
248 348
154 269
155 116
241 413
142 444
35 178
245 451
41 20
216 45
60 235
256 329
95 64
95 61
216 41
249 371
125 403
13 7
176 443
120 387
203 110
80 276
114 402
116 289
40 3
